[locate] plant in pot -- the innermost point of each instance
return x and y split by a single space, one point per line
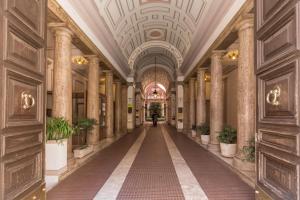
58 131
228 138
204 133
248 155
83 125
249 151
194 133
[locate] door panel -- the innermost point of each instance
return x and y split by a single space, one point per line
22 174
22 77
279 175
23 51
278 125
277 39
24 100
268 9
29 12
277 94
280 140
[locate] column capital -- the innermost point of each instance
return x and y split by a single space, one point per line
93 59
218 53
179 83
192 79
60 29
108 73
246 21
201 69
117 81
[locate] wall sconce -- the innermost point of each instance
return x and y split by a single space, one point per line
79 60
206 77
233 55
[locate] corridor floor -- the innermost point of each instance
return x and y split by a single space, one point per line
153 163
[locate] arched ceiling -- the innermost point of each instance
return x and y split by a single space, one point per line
135 22
129 32
148 92
149 58
162 77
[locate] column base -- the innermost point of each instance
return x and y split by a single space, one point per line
129 130
213 147
243 165
180 130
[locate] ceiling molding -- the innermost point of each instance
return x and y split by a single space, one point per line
77 24
155 44
141 72
222 30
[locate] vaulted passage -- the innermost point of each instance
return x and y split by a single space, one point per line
149 99
154 172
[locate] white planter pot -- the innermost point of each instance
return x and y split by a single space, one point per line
228 150
81 152
56 154
194 133
205 139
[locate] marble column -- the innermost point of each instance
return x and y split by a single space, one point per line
118 102
131 108
124 109
216 99
201 100
62 77
246 90
192 102
109 104
93 99
148 110
179 106
186 108
138 108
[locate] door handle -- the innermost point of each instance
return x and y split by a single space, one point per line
273 95
28 101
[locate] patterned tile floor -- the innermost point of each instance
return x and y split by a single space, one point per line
218 182
152 174
87 180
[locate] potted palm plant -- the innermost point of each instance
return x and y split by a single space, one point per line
84 125
194 133
228 139
58 132
204 133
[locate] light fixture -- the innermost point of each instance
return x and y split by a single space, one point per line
155 91
233 54
79 60
207 77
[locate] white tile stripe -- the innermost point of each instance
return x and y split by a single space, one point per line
113 184
190 187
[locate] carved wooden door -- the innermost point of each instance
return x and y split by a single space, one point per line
278 119
22 92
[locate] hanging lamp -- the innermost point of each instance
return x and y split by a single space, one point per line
155 91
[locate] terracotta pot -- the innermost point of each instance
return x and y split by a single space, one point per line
228 150
205 139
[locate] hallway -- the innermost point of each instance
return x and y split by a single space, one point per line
82 81
153 163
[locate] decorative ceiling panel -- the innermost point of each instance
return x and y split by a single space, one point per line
134 22
128 31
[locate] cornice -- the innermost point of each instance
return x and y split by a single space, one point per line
60 13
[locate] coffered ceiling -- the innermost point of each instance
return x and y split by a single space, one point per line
130 33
